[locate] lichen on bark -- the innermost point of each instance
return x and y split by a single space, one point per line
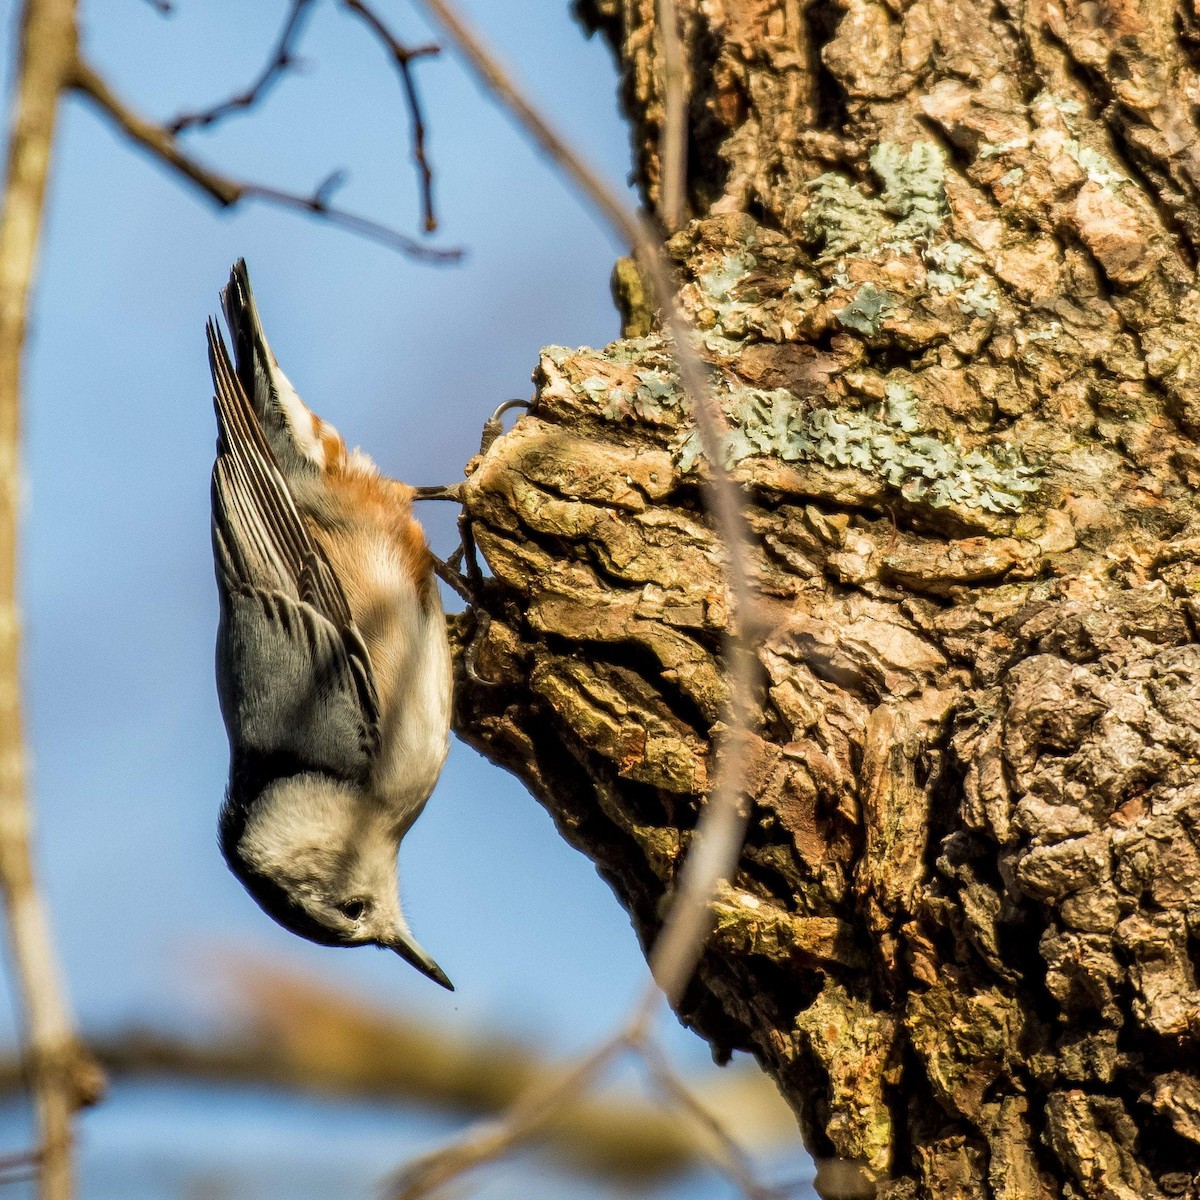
941 264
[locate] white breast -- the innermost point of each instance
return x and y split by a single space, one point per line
410 659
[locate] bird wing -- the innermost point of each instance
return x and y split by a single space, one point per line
291 429
294 675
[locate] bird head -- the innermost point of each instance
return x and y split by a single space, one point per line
318 858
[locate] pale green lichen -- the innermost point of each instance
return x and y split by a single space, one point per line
977 295
802 286
1049 334
914 186
595 387
951 257
842 218
657 392
651 348
866 312
995 149
728 320
884 442
718 282
718 287
911 205
1066 106
979 298
944 263
718 293
1097 168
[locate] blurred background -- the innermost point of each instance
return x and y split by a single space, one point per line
128 751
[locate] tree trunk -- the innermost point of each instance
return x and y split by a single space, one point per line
942 264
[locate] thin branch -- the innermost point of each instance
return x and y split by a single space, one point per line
720 830
27 1175
229 192
63 1076
730 1158
672 147
282 59
493 1139
404 56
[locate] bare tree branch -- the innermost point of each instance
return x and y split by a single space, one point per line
721 826
63 1075
672 151
404 56
728 1155
492 1140
281 60
229 192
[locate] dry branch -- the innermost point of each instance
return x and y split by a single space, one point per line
227 191
62 1074
719 833
281 1029
720 830
283 58
403 57
673 147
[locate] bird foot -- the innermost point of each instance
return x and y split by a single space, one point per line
449 491
467 583
447 571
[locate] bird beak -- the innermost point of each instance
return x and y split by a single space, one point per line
415 956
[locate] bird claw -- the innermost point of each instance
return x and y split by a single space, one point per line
483 622
447 571
493 427
468 582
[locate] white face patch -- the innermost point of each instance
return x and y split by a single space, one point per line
327 844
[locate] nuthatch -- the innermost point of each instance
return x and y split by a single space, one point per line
333 666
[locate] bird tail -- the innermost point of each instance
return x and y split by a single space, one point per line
296 435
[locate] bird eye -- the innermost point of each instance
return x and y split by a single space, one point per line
352 909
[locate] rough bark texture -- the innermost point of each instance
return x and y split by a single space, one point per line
943 266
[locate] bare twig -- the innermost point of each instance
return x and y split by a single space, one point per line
717 842
63 1076
25 1175
672 146
20 1159
494 1139
227 191
403 56
718 838
282 59
729 1156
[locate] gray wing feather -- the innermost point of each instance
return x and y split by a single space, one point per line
288 690
293 674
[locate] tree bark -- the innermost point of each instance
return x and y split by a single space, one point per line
942 262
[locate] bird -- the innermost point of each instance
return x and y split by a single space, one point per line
332 659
